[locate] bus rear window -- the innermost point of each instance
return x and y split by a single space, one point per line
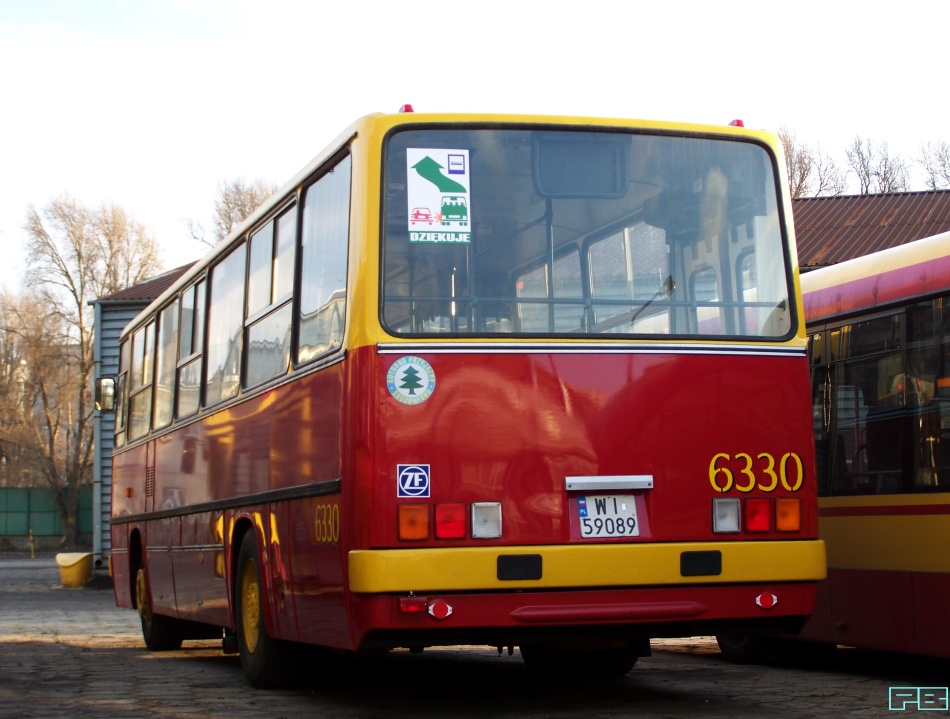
506 231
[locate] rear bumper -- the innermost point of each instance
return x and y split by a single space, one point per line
514 618
584 566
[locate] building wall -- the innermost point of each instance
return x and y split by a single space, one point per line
111 318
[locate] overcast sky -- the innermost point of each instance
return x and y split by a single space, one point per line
149 104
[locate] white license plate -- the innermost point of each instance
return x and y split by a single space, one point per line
608 515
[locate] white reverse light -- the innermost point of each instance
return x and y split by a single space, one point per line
725 515
486 520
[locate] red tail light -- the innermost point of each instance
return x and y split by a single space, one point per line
758 515
450 521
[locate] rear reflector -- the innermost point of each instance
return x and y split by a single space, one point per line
413 521
411 605
450 521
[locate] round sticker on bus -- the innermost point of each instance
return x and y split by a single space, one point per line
411 380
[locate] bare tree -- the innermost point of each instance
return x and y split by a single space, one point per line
935 161
74 255
811 172
877 170
236 202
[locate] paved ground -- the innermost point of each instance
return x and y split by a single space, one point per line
72 653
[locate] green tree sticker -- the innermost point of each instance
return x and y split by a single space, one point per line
410 380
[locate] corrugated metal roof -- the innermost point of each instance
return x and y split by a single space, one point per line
833 229
148 290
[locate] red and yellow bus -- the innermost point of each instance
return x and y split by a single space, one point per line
879 330
506 380
879 344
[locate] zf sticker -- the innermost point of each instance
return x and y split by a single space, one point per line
437 187
411 380
412 481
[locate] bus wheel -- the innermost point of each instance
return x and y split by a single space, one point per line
743 648
607 660
264 660
161 633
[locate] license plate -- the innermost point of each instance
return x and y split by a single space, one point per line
608 515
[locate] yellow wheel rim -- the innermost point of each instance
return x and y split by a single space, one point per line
250 606
141 596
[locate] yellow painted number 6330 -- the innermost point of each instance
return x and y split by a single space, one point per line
327 523
743 473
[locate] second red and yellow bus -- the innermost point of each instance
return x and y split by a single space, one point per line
879 332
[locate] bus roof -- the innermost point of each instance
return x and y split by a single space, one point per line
889 277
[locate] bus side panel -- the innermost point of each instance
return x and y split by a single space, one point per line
119 565
317 571
279 580
820 626
200 586
873 609
307 447
162 535
932 618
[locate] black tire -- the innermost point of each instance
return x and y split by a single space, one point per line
587 661
743 648
266 661
161 633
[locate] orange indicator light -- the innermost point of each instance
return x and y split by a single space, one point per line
788 515
413 521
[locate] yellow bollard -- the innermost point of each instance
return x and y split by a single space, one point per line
32 546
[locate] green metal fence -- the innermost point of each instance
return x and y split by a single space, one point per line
23 510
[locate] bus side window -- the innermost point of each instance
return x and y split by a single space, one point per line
225 327
165 366
140 380
189 349
125 354
270 289
324 241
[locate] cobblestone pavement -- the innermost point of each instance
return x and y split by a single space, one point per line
72 653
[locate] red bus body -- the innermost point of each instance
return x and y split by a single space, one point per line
884 460
528 429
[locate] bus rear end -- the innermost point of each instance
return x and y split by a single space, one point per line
584 418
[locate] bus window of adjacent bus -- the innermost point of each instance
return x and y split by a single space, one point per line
323 257
571 255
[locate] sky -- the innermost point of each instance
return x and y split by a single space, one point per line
151 104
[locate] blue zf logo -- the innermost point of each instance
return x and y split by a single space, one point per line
918 698
412 480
